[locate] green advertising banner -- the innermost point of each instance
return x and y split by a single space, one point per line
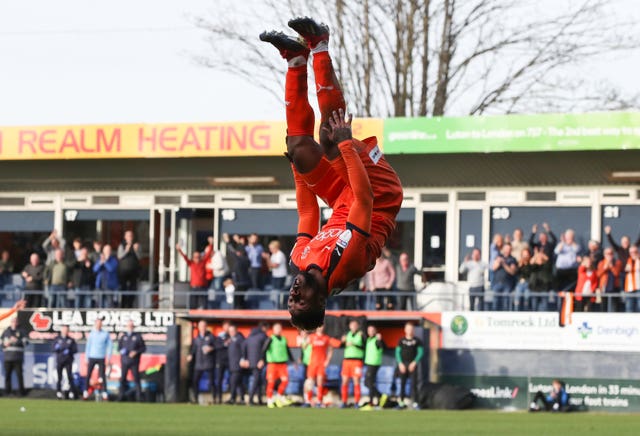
513 133
503 392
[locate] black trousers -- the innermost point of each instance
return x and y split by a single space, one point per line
370 382
132 365
256 385
236 385
66 367
220 370
92 364
9 367
128 282
413 378
197 375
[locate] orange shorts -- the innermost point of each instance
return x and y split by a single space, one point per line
277 371
351 368
315 370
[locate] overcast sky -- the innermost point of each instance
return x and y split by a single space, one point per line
80 61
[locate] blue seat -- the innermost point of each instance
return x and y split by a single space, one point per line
296 379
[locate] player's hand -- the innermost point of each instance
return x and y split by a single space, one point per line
178 246
607 230
378 336
260 364
534 229
402 368
412 366
132 354
20 304
340 127
546 227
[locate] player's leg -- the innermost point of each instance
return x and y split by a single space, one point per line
59 371
271 382
123 381
283 376
328 89
308 387
356 391
320 388
414 386
403 385
344 390
73 389
8 371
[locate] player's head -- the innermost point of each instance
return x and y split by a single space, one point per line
64 330
277 329
409 329
320 330
371 331
98 324
130 326
14 322
354 325
202 327
307 300
233 330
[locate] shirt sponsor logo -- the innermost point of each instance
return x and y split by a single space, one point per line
375 154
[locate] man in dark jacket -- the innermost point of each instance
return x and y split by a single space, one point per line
131 346
13 342
203 353
128 268
253 359
222 358
65 348
82 279
236 384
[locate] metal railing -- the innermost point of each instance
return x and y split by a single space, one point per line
445 296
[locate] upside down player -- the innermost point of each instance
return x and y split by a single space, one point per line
321 352
351 176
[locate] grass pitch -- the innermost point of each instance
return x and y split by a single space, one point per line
90 418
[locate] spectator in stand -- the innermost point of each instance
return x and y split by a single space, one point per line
77 246
198 280
57 277
522 295
94 256
6 268
222 358
33 275
240 264
128 268
475 268
621 250
518 244
504 268
409 353
219 269
98 353
609 270
253 359
541 278
595 252
65 348
236 382
131 346
494 251
82 279
567 261
203 354
632 281
254 253
277 263
374 350
14 340
586 285
546 240
381 279
106 271
51 244
405 272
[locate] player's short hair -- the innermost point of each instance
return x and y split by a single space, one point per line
313 317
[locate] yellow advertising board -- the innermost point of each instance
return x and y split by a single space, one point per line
154 140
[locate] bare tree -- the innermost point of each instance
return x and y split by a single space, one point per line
439 57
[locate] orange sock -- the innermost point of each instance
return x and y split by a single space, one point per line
300 116
330 97
282 387
320 394
270 386
345 393
309 395
356 393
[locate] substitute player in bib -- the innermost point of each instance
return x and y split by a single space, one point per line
374 349
277 355
351 176
321 352
354 344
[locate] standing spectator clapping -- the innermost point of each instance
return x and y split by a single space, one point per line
475 269
632 280
106 271
504 268
33 275
197 266
277 262
381 279
567 261
128 268
609 270
405 273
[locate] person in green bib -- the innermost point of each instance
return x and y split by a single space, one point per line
374 349
353 343
277 355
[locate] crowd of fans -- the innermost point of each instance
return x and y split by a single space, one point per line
531 275
76 276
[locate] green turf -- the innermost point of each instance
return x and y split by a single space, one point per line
90 418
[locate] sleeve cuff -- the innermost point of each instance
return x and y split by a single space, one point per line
351 226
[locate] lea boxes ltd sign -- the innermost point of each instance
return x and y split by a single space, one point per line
45 324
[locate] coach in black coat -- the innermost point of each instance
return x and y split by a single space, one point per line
253 357
203 353
131 346
236 385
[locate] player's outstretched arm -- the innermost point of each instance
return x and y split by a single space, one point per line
16 307
362 208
